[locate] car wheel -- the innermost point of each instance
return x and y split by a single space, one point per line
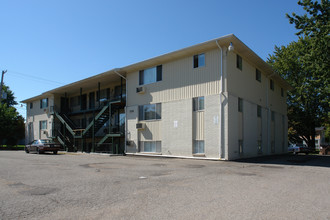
55 152
27 151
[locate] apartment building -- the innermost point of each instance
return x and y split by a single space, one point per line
217 99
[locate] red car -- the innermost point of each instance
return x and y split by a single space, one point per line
40 146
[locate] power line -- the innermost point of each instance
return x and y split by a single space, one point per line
34 77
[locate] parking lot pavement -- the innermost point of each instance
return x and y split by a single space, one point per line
83 186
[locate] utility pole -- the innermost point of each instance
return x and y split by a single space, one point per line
3 73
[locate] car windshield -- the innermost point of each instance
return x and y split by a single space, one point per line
45 141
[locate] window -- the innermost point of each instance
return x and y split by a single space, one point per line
199 60
198 103
240 147
259 111
258 75
150 112
75 101
198 147
150 146
102 95
239 63
44 103
273 116
240 105
43 125
150 75
31 105
271 84
282 92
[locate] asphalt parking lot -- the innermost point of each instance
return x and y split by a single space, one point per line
87 186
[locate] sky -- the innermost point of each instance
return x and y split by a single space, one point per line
47 44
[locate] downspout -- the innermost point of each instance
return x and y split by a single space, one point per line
221 92
125 108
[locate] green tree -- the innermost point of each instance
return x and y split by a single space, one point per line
305 65
12 127
10 100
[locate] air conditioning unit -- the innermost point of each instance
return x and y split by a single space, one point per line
140 90
45 132
140 126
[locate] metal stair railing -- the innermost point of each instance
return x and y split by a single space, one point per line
98 116
64 123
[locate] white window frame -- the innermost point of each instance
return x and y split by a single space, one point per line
199 147
199 60
43 122
150 146
198 104
240 104
157 111
151 75
44 103
239 62
258 75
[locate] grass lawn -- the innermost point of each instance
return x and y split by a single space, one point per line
15 147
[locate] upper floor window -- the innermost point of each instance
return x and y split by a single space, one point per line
240 105
258 75
273 116
271 84
150 75
150 112
198 103
44 103
31 105
199 60
259 111
239 62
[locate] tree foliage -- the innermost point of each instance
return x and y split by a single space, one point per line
305 65
12 127
10 100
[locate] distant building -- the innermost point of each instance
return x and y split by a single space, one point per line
320 137
208 100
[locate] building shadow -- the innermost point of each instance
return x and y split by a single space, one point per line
291 160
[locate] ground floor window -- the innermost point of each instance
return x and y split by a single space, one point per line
150 146
198 147
150 112
43 125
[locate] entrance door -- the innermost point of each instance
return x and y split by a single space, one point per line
64 105
91 100
83 102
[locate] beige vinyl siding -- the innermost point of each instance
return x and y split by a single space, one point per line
177 128
198 125
244 84
151 132
34 116
180 81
